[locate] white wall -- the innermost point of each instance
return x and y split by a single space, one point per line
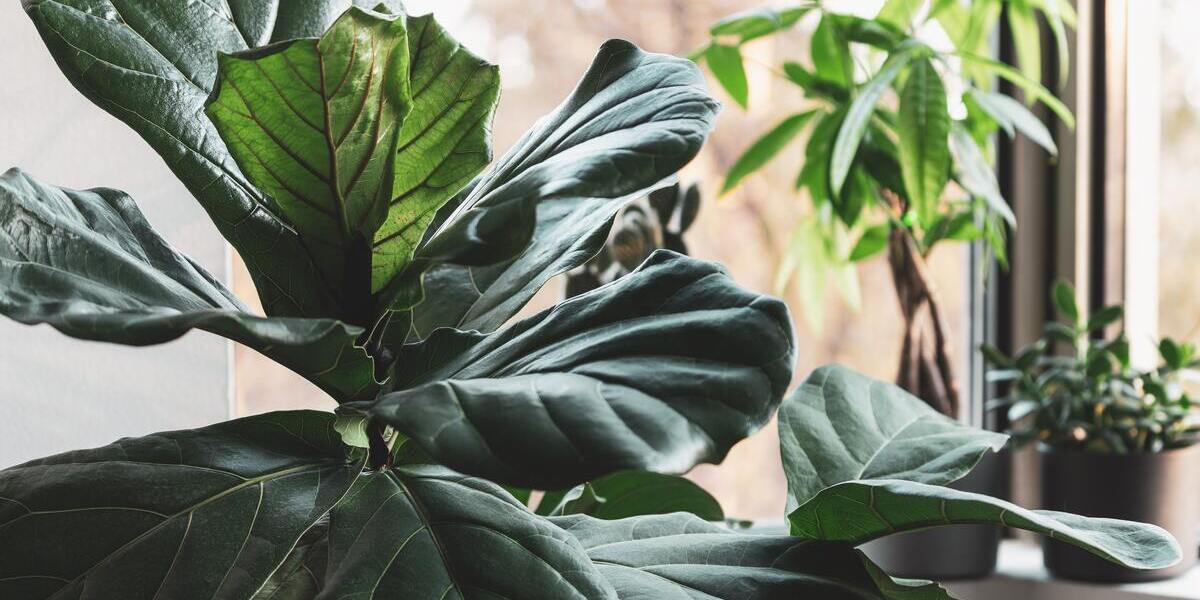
58 393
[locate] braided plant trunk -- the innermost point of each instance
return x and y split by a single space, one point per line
925 368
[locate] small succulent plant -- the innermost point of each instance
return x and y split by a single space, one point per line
1094 399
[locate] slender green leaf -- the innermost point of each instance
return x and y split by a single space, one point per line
854 127
633 493
1014 116
662 369
199 513
977 176
755 23
924 129
763 150
89 264
1032 88
831 53
1064 301
547 206
1027 38
1058 15
872 242
726 64
152 64
858 511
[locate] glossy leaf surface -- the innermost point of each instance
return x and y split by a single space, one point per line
88 263
633 493
840 426
678 556
152 64
664 368
199 513
547 205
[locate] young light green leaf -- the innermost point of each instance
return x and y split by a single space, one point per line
1014 116
1027 38
763 150
353 430
859 511
443 143
924 129
1032 88
314 124
976 174
831 53
1059 15
854 127
726 64
899 13
872 241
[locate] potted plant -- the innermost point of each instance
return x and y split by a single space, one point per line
1114 441
887 169
418 486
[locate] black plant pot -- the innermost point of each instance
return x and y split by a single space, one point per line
954 551
1160 488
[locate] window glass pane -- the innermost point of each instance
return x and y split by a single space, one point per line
1179 233
543 47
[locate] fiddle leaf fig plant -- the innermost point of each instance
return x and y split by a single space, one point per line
341 158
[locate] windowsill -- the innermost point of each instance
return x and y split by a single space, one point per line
1020 574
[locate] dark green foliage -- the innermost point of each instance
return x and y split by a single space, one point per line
1092 398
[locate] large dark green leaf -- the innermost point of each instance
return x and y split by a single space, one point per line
865 459
89 264
152 64
858 511
201 513
427 533
924 130
314 123
664 368
546 207
841 426
678 556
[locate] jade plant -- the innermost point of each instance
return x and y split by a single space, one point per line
1093 398
338 148
900 123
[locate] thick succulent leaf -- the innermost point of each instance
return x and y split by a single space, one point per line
680 557
152 64
444 142
840 426
88 263
858 511
662 369
203 513
633 493
314 123
547 206
427 533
